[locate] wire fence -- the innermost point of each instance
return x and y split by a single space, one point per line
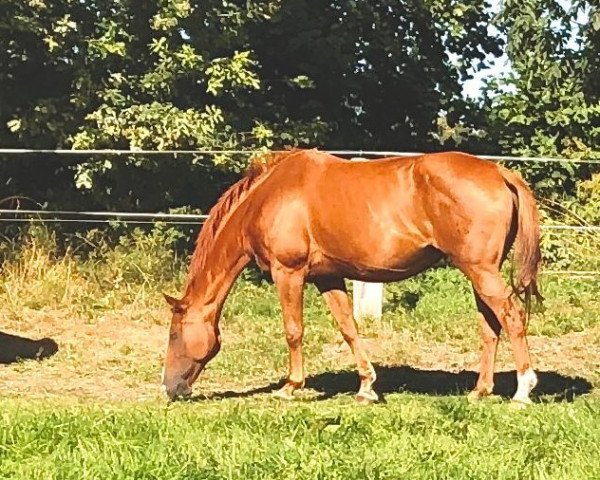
99 217
103 217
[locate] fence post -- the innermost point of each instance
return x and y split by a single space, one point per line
367 300
367 297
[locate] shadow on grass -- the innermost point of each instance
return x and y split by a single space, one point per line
552 386
14 348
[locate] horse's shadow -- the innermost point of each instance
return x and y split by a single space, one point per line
551 387
14 348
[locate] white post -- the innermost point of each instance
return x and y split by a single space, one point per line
367 297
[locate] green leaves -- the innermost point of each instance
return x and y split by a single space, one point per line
544 108
595 19
171 12
229 73
55 37
112 40
171 65
14 125
152 126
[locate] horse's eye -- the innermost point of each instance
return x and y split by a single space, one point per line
173 336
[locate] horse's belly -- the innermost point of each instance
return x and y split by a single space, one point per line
376 267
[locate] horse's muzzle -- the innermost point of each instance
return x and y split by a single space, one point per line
179 391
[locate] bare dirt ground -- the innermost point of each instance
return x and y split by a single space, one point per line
117 358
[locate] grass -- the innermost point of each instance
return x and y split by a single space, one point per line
94 409
408 437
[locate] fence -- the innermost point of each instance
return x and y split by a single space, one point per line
368 297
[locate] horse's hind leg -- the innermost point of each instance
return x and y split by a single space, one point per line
489 329
495 295
335 294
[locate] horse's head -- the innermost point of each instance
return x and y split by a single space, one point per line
193 340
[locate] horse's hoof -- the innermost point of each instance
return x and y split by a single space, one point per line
520 403
478 397
474 396
367 397
284 394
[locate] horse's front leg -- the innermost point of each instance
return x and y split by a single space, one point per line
336 296
290 286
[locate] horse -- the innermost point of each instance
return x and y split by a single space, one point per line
308 216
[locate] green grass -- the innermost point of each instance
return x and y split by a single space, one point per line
410 436
443 297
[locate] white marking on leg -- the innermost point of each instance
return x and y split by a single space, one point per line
526 382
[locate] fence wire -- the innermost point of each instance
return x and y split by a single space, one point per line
175 218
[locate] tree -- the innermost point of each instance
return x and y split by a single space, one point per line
549 104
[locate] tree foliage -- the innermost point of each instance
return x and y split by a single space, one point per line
549 103
366 74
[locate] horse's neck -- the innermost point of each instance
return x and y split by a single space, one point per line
225 259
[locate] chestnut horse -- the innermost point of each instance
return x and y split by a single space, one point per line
307 216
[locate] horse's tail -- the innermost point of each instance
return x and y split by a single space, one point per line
527 254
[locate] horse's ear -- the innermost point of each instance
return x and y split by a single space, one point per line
177 306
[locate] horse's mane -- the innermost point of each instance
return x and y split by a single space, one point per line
227 202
